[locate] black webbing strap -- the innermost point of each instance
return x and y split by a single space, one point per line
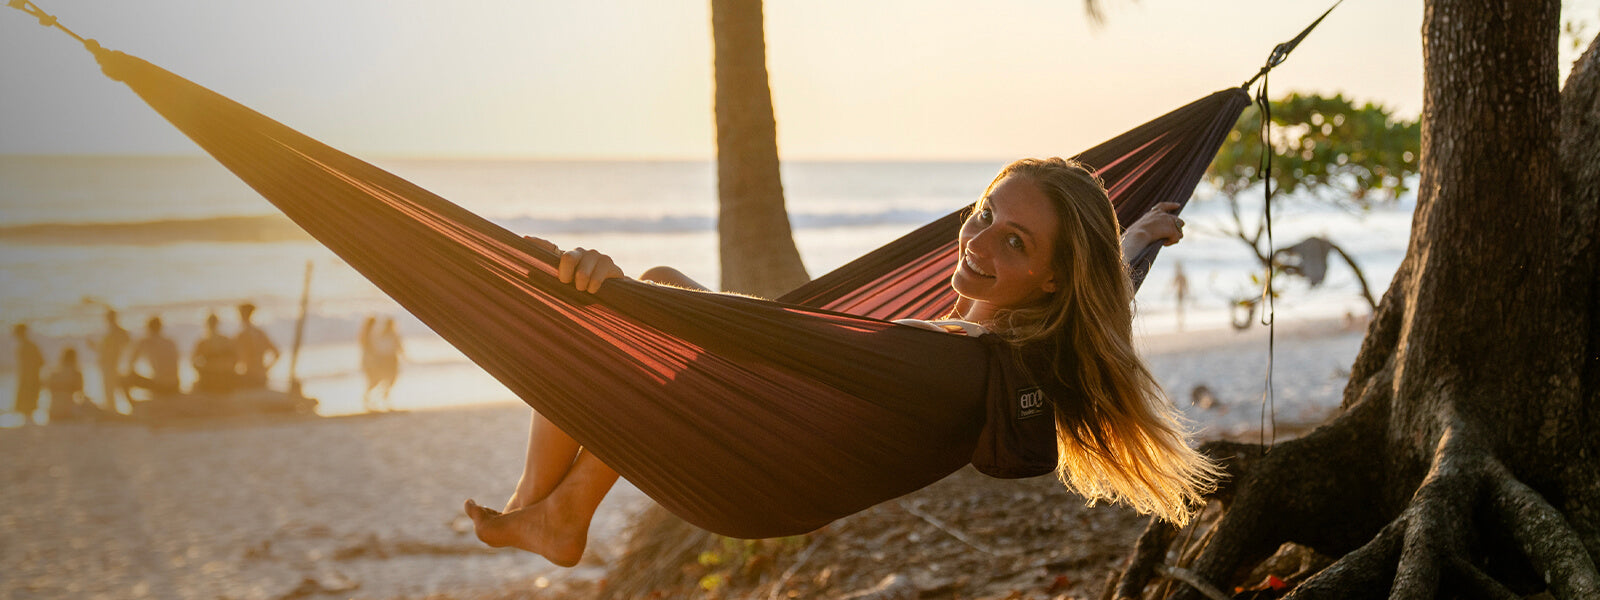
1279 54
1281 51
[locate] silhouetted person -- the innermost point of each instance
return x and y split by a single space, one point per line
214 359
369 361
380 360
161 353
108 352
1180 288
29 361
256 351
67 402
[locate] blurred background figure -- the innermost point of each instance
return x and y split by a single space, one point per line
161 353
369 361
380 360
108 357
1180 289
29 361
215 360
257 353
67 402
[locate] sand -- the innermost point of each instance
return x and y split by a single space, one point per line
360 507
369 506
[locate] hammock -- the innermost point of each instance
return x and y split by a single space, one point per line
746 417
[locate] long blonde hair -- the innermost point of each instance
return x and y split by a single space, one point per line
1123 442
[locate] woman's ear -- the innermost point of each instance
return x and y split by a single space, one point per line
1049 285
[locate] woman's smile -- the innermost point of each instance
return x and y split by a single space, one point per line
966 261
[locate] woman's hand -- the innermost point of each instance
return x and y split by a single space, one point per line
1161 224
586 270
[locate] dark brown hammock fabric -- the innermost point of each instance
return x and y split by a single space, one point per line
747 417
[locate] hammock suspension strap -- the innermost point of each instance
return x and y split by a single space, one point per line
1281 52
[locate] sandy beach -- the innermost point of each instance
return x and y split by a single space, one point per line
370 506
358 507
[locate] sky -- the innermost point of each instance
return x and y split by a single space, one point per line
631 79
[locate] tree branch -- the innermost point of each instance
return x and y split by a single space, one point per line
1193 580
1148 553
955 533
1366 291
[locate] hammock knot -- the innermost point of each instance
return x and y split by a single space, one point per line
1279 54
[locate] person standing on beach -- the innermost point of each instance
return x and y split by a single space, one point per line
29 361
380 360
1180 288
214 359
257 353
67 402
369 361
161 353
108 356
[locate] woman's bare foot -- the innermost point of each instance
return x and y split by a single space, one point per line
536 528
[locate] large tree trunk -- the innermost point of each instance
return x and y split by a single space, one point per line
1465 461
758 252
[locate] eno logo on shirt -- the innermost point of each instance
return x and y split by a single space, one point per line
1030 403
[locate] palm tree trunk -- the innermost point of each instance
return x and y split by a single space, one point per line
757 247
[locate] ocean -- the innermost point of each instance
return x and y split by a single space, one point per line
180 238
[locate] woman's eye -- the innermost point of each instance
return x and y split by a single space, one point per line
1014 241
986 215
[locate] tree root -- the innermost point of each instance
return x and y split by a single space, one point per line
1478 584
1367 568
1545 537
1440 541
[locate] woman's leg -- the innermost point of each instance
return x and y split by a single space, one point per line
561 485
557 526
551 453
672 277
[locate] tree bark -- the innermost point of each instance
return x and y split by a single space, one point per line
757 247
1465 459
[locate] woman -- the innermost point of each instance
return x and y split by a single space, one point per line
1041 266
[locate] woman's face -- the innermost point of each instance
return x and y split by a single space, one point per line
1006 246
